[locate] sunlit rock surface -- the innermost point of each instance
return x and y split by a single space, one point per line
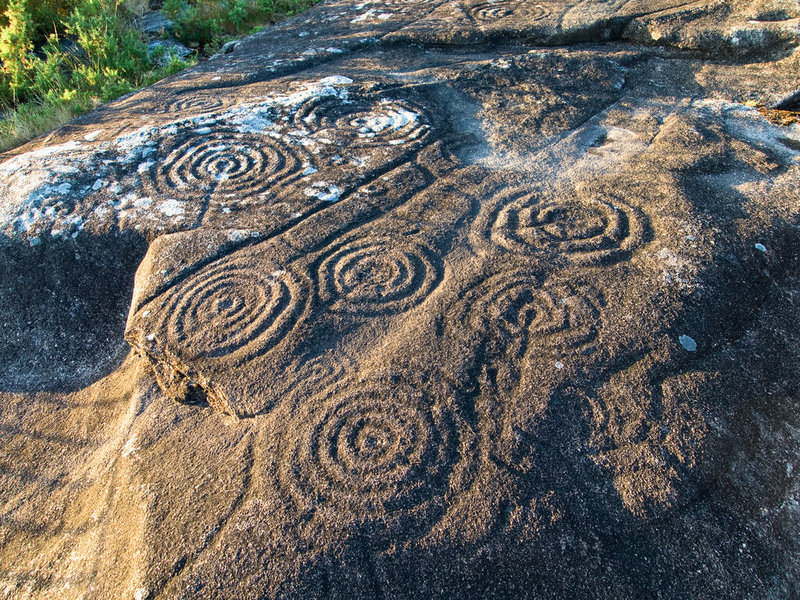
416 299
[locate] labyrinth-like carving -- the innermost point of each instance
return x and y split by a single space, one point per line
492 11
515 311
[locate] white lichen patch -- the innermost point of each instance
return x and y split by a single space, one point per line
391 118
172 207
90 137
371 15
324 191
679 270
62 189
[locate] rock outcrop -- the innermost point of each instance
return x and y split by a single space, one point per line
416 299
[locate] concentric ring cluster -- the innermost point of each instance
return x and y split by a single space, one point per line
583 230
224 162
231 308
363 122
487 13
196 104
374 275
493 11
377 449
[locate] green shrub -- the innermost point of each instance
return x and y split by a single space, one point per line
47 16
15 48
52 85
112 49
51 78
32 119
195 26
206 24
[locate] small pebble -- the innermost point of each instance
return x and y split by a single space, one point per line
761 247
688 343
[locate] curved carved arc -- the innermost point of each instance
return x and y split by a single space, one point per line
583 231
514 311
197 104
232 310
647 433
389 451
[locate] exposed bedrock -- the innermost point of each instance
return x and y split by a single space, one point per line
416 299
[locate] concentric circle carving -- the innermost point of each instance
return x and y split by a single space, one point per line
231 308
370 122
224 162
590 231
383 449
379 275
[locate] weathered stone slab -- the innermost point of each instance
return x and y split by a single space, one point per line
456 300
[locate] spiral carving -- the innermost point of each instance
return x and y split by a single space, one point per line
492 11
379 275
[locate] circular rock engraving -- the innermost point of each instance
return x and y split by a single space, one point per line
196 104
589 231
381 449
513 312
224 162
232 309
555 318
489 12
372 276
363 122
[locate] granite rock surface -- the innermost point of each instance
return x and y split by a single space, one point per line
416 299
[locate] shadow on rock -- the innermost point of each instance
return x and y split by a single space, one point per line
63 305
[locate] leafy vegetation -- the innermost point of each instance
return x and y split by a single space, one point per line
204 23
59 58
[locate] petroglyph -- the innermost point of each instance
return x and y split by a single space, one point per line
493 297
374 275
386 448
223 162
583 230
384 122
235 308
514 311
